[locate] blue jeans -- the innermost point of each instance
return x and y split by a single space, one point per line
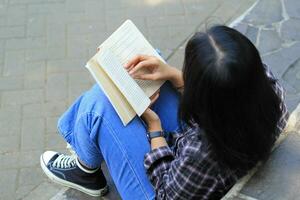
95 132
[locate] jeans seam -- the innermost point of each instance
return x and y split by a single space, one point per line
127 159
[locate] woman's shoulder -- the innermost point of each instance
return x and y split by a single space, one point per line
198 149
195 146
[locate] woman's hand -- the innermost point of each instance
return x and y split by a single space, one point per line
149 68
152 120
150 117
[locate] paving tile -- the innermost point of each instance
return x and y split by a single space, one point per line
33 110
177 59
241 27
47 189
114 18
10 120
55 108
32 136
269 41
224 13
45 8
48 109
252 33
194 7
114 4
80 77
174 8
281 60
20 97
16 15
9 143
42 54
9 160
11 83
292 8
30 176
166 20
55 141
290 30
25 43
36 26
35 73
17 2
75 6
266 12
292 101
3 8
36 54
279 177
291 75
77 47
92 10
56 53
56 87
51 124
29 158
14 63
77 90
81 28
23 190
65 65
12 31
7 182
56 34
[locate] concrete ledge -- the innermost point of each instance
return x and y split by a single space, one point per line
292 130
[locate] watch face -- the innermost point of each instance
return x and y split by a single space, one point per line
148 136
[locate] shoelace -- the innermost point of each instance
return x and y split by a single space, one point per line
64 161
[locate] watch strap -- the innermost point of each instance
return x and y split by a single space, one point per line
155 134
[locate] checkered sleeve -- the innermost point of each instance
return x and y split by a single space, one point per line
183 177
157 162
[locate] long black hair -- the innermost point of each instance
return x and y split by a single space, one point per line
228 94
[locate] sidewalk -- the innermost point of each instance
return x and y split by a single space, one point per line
44 45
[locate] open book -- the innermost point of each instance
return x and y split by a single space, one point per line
129 97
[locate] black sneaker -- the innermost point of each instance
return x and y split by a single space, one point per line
67 171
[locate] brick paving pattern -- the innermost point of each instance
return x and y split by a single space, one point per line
44 45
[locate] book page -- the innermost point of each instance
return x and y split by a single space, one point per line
125 43
136 97
118 101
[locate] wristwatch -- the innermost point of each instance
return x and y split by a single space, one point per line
155 134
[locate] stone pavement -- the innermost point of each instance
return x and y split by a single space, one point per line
44 45
274 25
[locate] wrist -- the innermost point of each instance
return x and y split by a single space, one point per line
154 126
176 77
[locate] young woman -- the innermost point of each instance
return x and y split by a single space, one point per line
205 129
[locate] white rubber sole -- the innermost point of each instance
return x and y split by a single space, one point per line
94 193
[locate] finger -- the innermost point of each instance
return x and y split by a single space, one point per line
154 99
155 93
141 65
152 77
154 96
129 68
135 60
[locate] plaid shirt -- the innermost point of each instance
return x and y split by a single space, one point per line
190 169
